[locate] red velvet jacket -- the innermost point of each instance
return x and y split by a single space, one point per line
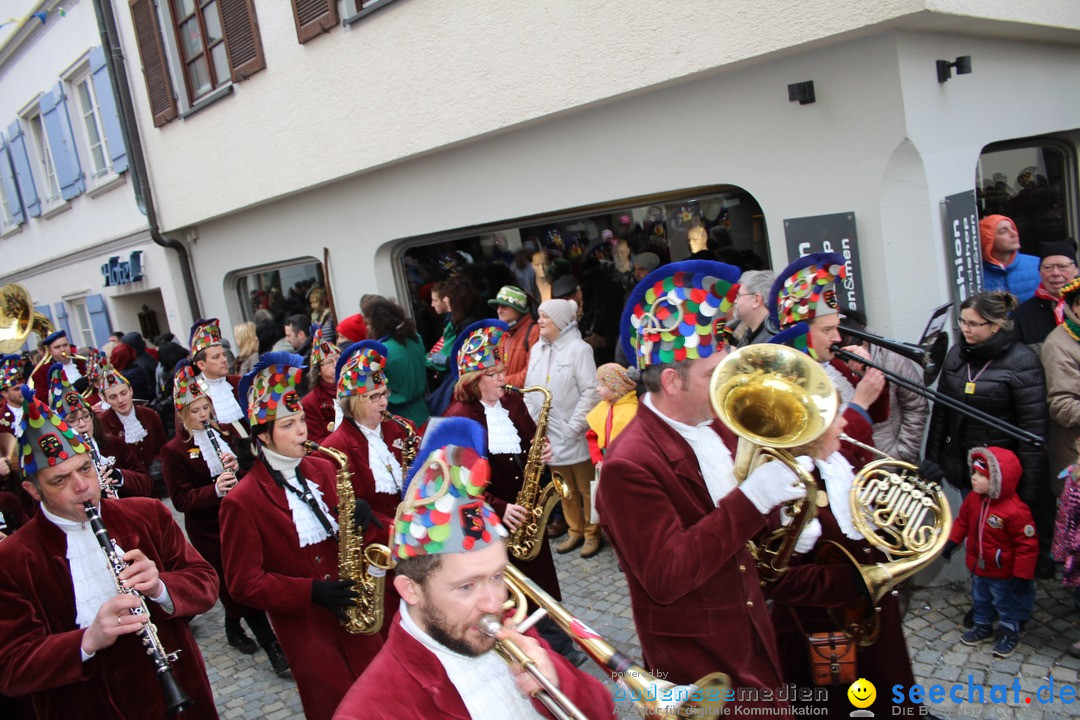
318 407
697 601
146 450
39 641
266 568
136 482
41 380
406 680
350 440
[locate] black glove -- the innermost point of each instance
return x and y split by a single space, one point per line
364 516
334 595
949 547
931 471
115 476
81 385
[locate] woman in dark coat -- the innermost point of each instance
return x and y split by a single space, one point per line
198 474
990 370
480 394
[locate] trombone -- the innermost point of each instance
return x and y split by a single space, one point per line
655 698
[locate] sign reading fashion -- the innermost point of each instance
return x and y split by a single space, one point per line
829 233
123 272
963 247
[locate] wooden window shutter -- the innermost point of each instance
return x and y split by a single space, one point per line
155 68
314 17
242 41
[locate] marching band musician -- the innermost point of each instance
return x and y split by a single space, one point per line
451 554
321 409
668 499
374 445
200 467
211 364
136 426
14 504
480 394
279 541
123 470
66 633
803 304
59 349
10 397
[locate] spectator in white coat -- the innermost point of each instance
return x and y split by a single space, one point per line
563 363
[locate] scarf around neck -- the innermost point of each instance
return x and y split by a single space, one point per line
1059 302
308 527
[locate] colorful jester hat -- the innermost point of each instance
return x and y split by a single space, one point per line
444 509
270 388
806 289
95 364
110 377
63 398
360 368
185 388
798 337
46 440
205 333
322 350
479 347
678 312
10 375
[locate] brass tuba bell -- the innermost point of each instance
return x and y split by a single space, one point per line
18 319
774 397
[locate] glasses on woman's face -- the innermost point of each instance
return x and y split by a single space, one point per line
377 396
972 324
495 373
77 417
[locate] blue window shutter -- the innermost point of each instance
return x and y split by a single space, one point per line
23 176
62 320
99 319
110 117
54 116
11 189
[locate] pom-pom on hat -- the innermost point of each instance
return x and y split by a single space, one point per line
444 509
63 398
205 333
53 337
322 350
512 297
678 312
360 368
46 440
186 388
479 347
10 374
806 289
269 390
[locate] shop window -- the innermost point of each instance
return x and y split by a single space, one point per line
277 292
1031 182
596 246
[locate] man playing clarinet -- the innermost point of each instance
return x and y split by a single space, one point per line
68 637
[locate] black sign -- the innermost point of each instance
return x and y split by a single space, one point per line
123 272
835 234
964 250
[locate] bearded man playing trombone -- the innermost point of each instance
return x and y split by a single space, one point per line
668 499
451 557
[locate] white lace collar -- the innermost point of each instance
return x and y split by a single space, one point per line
503 437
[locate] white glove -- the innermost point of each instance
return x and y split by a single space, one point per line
770 485
808 537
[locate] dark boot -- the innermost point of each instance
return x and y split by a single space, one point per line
277 660
265 635
234 633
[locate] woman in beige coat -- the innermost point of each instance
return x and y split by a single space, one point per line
1061 362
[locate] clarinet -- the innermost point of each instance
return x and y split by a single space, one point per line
103 469
217 447
175 697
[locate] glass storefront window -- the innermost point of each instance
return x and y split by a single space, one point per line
1028 182
282 290
597 247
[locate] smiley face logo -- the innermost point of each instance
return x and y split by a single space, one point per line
862 693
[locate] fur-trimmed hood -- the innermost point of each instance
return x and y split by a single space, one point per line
1003 469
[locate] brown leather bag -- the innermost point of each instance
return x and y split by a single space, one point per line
832 658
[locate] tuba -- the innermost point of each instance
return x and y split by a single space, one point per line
412 441
655 698
17 320
774 397
906 517
366 567
524 543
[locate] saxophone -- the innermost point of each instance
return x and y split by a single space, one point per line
524 543
411 445
365 567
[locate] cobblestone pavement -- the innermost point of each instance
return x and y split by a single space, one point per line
245 688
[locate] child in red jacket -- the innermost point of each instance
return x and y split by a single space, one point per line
1001 548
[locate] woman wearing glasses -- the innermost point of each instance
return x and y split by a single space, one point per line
991 370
